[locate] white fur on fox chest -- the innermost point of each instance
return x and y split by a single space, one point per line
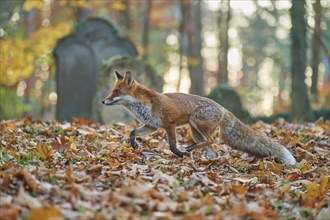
142 112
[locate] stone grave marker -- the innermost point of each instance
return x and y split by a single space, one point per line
79 58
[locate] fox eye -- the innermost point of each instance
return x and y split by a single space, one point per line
117 92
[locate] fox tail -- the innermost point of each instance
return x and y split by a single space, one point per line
241 137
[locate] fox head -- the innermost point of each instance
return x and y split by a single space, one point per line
121 92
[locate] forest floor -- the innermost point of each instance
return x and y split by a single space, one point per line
81 170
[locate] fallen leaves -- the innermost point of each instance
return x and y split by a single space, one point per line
30 181
9 211
43 151
24 199
88 171
315 191
51 212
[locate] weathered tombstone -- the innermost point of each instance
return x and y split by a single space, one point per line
79 58
229 98
76 79
141 71
104 39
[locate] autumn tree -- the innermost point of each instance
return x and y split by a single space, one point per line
195 59
316 47
223 21
301 110
183 47
125 16
146 28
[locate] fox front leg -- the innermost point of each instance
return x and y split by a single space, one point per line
172 142
143 130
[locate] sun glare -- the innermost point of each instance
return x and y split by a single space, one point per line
246 6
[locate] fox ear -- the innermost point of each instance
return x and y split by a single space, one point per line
119 76
129 78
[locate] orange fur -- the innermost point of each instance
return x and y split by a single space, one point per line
169 110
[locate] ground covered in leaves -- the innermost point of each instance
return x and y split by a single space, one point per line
88 171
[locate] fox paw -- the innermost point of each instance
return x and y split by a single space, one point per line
190 147
211 156
181 154
134 145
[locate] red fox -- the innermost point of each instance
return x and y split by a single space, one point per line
169 110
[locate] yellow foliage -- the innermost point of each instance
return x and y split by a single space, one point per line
119 6
31 4
18 57
39 4
14 55
76 3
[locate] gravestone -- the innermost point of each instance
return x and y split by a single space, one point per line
75 78
141 71
229 98
79 58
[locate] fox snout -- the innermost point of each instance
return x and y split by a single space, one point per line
109 102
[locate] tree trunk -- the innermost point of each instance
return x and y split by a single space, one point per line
195 60
224 19
82 14
125 18
145 34
316 48
184 10
30 26
301 110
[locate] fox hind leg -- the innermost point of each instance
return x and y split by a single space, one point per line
210 152
207 139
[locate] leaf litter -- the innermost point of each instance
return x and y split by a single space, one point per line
82 170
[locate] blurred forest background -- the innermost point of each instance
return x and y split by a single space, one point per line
275 54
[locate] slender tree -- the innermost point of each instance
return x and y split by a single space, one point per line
195 59
301 110
316 48
184 9
224 19
125 18
146 26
